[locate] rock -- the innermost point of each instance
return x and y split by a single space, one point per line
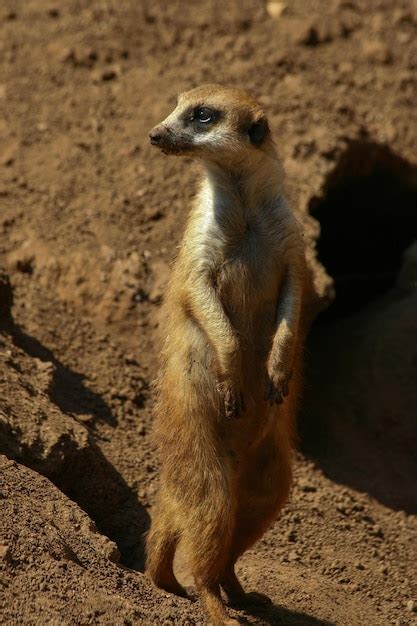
4 552
313 32
106 74
81 56
412 606
9 154
345 67
303 32
376 51
404 38
46 371
22 259
403 16
305 485
276 9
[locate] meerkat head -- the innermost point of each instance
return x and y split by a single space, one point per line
213 122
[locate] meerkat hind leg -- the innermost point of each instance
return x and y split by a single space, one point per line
257 509
206 544
161 546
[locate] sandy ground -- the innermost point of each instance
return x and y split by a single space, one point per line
90 218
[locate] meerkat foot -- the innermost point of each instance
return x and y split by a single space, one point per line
249 599
254 598
238 597
277 387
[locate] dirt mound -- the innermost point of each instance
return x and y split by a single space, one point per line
56 566
364 433
47 422
89 220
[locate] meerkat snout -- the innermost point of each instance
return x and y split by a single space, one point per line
156 135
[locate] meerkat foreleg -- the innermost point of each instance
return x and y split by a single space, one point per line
206 308
282 353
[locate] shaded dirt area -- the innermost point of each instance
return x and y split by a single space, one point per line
90 218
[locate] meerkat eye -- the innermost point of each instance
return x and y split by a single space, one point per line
204 115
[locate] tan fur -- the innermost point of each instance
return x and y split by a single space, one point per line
232 339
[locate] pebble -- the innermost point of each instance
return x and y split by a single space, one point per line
376 51
304 32
404 38
105 75
276 9
412 606
4 552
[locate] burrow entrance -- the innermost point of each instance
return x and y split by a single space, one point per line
368 218
357 417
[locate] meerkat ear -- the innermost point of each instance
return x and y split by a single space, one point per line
258 131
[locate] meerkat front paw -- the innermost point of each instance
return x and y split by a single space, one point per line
232 398
277 386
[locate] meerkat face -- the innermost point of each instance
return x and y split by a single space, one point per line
215 123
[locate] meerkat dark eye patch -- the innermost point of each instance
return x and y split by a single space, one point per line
257 131
200 117
204 115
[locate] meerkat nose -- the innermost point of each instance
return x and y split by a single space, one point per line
155 136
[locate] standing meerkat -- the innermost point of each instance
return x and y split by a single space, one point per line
230 374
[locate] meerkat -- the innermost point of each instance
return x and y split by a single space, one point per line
230 373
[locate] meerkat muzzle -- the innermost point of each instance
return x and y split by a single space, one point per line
169 141
156 135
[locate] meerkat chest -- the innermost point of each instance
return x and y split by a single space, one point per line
248 269
245 250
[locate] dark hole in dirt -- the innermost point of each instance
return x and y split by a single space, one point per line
357 419
368 218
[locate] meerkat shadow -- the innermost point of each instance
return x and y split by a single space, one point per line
276 614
